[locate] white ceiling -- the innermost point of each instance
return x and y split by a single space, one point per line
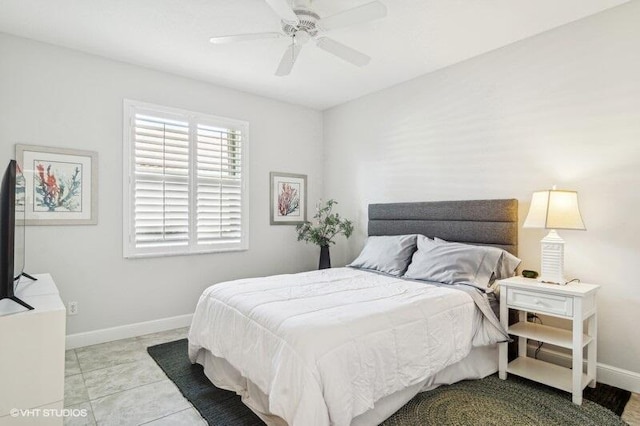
417 37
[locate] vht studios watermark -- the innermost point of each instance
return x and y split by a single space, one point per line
48 412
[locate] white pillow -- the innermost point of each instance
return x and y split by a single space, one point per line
388 254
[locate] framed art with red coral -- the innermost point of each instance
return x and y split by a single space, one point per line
60 185
288 196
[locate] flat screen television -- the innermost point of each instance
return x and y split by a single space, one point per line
11 233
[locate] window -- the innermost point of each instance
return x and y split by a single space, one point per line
185 182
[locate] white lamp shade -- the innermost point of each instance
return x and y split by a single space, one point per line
554 209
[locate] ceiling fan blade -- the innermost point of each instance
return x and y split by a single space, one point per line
288 59
283 9
365 13
243 37
343 52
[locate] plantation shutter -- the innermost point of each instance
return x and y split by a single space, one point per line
219 185
161 186
186 182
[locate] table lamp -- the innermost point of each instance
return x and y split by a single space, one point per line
553 209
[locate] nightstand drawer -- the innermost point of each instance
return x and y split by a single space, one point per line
540 302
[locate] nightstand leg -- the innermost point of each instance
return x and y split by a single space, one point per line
592 350
577 352
522 341
503 348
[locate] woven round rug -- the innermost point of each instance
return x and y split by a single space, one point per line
492 401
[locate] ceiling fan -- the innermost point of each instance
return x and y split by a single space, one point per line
301 24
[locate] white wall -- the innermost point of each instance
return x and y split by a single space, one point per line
63 98
560 108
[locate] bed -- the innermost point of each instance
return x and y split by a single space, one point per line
347 346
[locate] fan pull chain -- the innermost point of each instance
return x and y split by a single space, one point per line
293 46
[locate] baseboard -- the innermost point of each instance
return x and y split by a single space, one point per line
607 374
125 331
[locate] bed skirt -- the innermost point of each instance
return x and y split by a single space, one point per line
481 362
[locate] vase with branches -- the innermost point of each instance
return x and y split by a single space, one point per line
326 225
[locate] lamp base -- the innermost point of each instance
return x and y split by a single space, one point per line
552 259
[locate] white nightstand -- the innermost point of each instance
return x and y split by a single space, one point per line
574 301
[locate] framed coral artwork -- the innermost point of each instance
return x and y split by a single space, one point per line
60 185
288 198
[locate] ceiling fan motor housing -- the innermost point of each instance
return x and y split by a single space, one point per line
308 23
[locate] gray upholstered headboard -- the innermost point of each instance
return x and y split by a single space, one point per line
483 222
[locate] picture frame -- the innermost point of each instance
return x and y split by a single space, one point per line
288 195
60 185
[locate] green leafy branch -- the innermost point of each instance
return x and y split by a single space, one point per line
327 226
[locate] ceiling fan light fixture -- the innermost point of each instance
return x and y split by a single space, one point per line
301 37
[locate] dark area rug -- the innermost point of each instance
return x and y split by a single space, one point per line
489 401
217 406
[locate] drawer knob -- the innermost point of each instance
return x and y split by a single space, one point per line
538 302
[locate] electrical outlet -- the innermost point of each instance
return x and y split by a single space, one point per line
73 308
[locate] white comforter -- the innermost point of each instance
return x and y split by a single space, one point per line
326 345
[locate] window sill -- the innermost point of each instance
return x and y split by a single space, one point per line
190 253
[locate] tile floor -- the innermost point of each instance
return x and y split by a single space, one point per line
119 384
631 413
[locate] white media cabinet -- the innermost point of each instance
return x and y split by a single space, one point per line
32 348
